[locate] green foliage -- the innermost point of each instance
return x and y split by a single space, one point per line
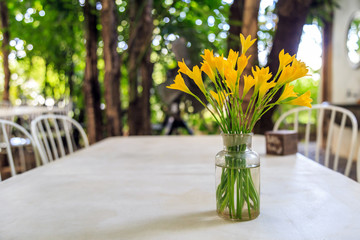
322 10
48 49
202 123
200 23
301 86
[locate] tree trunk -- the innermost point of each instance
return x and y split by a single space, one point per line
146 75
112 67
140 68
326 70
292 16
91 83
235 22
5 47
250 27
244 19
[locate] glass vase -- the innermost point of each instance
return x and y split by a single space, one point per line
237 170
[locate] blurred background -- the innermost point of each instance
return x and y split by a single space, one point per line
109 61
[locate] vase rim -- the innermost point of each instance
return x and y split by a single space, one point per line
237 134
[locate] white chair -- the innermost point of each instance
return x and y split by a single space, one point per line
8 129
335 113
54 136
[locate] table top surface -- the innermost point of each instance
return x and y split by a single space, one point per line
164 188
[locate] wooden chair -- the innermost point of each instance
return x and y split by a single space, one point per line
8 130
57 136
325 131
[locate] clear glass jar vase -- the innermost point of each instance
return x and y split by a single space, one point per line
237 170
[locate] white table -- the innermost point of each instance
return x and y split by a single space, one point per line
163 188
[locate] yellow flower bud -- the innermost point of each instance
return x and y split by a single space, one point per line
246 43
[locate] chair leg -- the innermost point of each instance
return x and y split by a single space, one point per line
22 159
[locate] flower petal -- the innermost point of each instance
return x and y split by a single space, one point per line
209 57
232 80
220 65
284 59
196 76
179 84
246 43
232 58
288 92
303 100
249 82
206 68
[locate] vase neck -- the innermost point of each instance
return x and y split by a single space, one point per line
237 142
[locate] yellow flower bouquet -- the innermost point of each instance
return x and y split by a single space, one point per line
237 192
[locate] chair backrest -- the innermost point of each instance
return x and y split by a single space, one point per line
57 136
6 131
336 113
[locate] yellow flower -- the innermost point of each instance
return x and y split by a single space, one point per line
264 88
219 98
287 92
290 73
220 65
286 75
196 76
206 68
232 58
183 68
300 69
284 60
209 57
179 84
231 80
261 76
228 66
246 43
249 82
303 100
242 63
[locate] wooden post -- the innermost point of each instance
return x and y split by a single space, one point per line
112 68
326 71
91 82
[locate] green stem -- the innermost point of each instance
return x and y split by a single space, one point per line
236 186
248 191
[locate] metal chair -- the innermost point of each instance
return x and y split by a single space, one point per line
57 136
8 129
338 115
